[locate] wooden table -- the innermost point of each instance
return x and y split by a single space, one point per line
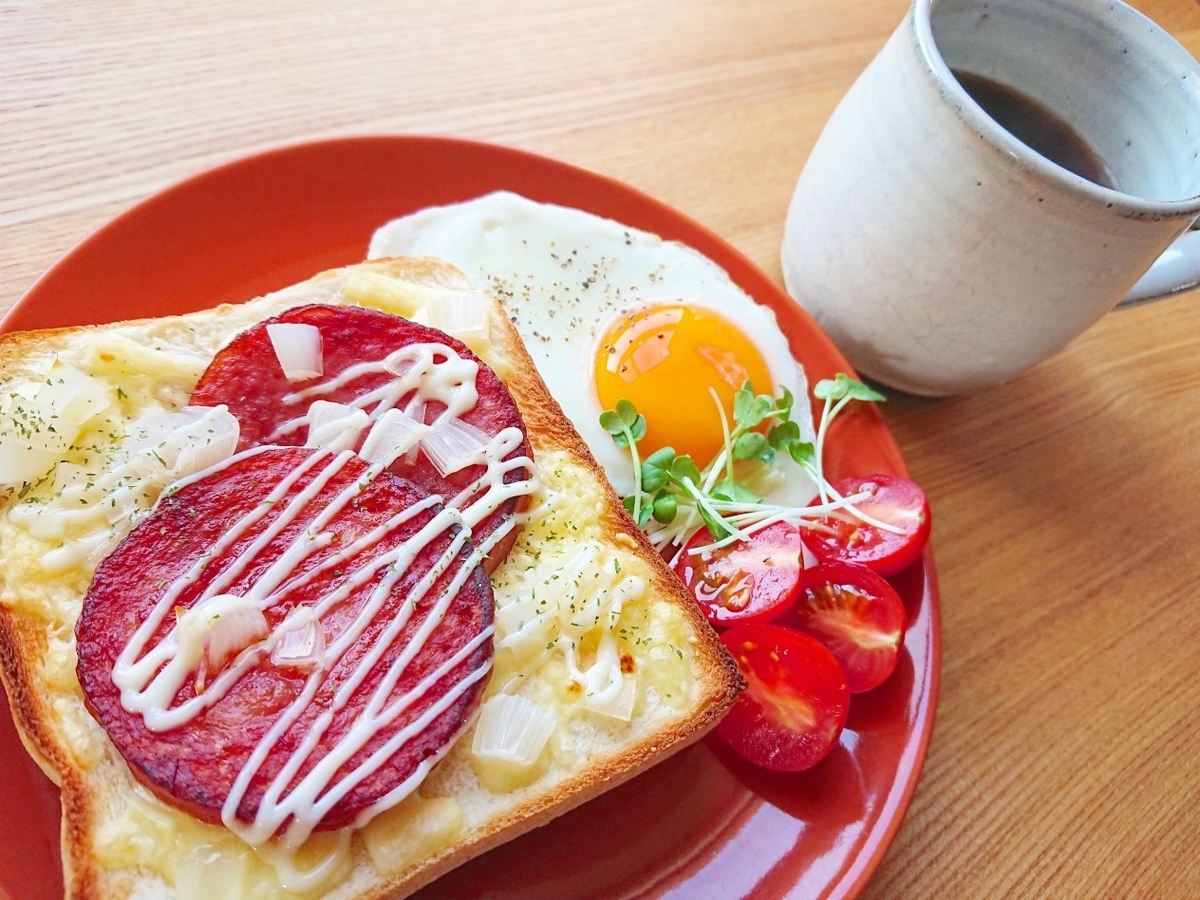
1064 759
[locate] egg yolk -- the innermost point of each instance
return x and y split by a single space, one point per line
667 360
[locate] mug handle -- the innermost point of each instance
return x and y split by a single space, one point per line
1176 270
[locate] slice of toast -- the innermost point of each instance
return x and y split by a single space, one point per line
120 840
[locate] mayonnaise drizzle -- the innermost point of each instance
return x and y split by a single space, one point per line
90 513
150 675
428 371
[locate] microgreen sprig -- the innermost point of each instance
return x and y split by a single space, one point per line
627 426
835 393
667 484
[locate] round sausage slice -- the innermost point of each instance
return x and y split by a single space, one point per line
289 638
366 356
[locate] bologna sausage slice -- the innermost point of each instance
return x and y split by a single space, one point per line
286 639
372 360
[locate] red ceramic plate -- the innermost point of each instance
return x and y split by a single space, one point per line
701 824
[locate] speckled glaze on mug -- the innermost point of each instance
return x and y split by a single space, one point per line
943 255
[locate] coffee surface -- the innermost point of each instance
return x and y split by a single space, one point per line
1036 126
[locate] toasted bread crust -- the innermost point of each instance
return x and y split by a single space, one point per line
86 790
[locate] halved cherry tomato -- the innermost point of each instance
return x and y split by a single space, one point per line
796 699
897 502
754 580
857 615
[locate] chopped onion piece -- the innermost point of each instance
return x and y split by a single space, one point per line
182 442
462 315
203 437
454 444
298 348
69 400
416 412
512 729
392 435
334 426
20 463
615 702
40 422
606 689
522 618
299 642
217 629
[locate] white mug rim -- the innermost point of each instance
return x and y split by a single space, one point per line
974 117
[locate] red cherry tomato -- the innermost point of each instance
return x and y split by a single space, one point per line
795 703
754 580
857 615
894 501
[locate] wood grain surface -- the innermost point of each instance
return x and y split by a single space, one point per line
1064 760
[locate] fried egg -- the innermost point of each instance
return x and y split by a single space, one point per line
609 312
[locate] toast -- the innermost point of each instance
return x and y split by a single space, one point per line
118 838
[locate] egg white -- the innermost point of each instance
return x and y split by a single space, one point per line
563 274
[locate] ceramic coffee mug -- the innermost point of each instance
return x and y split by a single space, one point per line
942 253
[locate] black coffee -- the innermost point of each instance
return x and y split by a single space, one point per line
1035 126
